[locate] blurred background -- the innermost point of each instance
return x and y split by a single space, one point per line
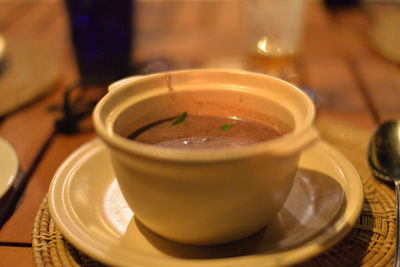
337 46
57 58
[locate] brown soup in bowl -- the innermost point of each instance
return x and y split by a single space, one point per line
188 131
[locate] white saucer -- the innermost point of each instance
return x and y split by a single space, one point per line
8 166
86 204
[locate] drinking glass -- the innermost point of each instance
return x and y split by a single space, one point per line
274 33
101 34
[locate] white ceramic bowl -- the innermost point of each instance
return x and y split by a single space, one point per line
201 196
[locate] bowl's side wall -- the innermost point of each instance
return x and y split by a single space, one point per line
205 203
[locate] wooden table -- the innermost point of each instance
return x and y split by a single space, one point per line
338 62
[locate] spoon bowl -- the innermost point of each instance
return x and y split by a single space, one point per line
384 151
384 160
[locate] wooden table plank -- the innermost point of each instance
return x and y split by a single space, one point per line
29 129
183 38
350 32
211 14
381 80
29 16
337 92
10 12
332 40
16 257
317 38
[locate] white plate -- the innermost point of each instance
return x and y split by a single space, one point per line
86 204
2 47
8 166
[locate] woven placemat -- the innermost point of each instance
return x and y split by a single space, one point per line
370 242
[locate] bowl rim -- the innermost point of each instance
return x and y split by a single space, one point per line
304 134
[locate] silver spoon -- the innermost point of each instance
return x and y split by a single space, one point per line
384 160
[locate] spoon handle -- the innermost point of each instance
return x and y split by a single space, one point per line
396 253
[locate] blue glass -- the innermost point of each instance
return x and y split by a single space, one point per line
101 33
341 3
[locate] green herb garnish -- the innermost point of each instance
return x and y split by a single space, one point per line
226 127
180 119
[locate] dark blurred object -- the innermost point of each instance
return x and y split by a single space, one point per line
101 32
341 3
10 200
78 104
